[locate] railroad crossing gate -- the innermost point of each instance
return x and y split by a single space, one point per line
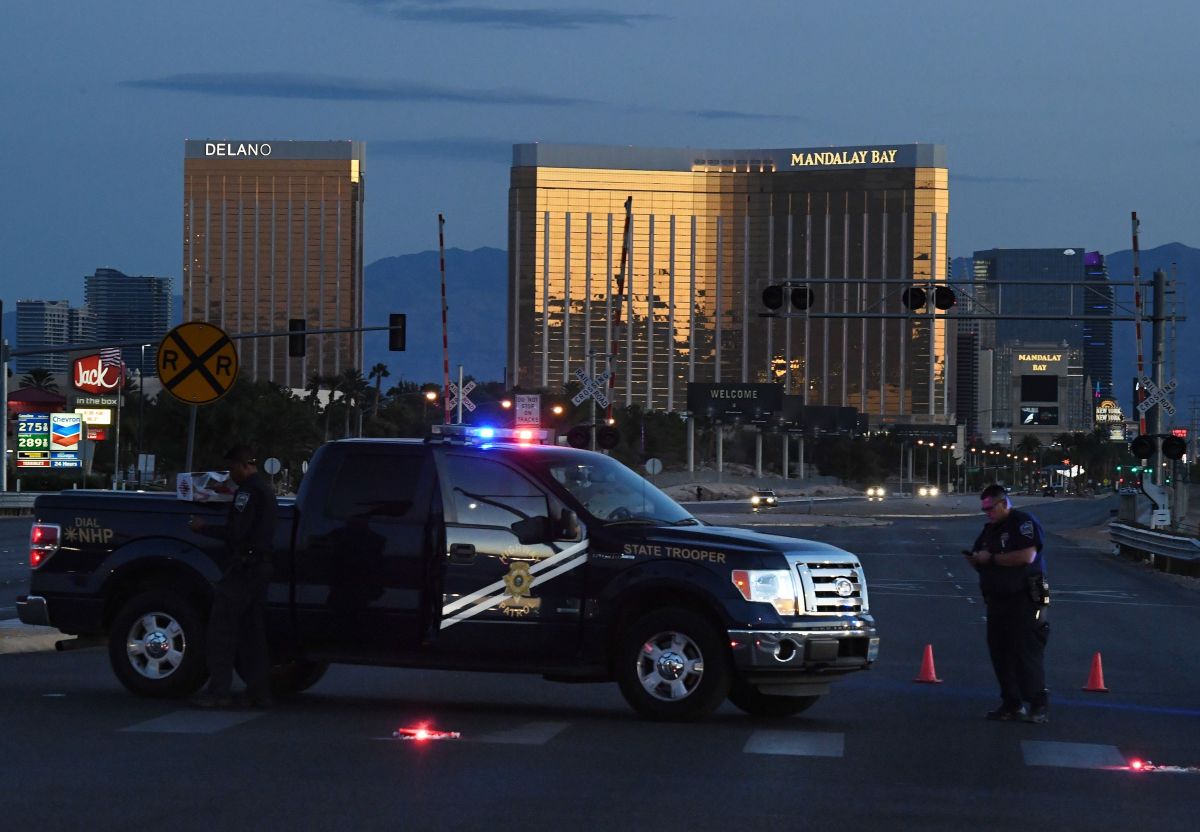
197 363
592 388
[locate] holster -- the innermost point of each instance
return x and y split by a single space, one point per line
1039 590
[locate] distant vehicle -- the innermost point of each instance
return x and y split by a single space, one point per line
927 491
876 492
1049 491
1128 489
764 498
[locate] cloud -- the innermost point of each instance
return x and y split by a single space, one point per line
543 18
328 88
737 115
457 149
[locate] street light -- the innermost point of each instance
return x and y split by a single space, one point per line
141 408
430 398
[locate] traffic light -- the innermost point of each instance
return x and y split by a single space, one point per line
397 327
802 297
296 341
1142 447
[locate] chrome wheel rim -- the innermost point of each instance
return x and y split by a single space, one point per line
155 645
670 666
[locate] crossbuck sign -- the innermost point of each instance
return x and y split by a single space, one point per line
466 401
593 388
1156 395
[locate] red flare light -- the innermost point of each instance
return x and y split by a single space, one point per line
422 733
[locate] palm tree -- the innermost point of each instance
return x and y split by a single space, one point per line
353 386
379 372
40 379
313 388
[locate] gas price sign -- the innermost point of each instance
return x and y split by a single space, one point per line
33 440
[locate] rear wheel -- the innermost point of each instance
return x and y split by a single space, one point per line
156 645
756 703
672 665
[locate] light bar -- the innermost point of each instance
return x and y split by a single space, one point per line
485 433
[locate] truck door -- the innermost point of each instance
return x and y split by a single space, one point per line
506 603
364 553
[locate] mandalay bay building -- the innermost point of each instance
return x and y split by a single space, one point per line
273 232
705 232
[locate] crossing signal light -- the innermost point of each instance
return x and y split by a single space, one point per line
608 437
801 297
943 298
397 326
1174 447
297 338
578 437
915 298
1142 447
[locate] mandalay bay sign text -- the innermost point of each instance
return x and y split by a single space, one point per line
750 402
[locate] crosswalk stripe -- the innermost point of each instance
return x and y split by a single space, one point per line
193 722
796 743
1071 754
531 733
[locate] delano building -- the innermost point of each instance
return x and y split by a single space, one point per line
709 230
273 231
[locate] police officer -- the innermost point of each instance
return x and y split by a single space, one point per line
1008 556
237 625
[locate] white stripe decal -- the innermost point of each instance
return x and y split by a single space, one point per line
493 594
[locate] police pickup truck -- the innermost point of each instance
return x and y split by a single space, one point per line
468 550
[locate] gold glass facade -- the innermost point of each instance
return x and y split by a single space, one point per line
272 232
709 230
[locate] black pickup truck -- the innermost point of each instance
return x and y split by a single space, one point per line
468 554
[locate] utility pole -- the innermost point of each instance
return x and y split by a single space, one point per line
3 403
1155 419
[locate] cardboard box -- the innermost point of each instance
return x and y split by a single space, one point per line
205 487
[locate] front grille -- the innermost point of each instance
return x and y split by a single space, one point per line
821 582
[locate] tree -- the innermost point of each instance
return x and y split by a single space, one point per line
379 372
353 387
40 379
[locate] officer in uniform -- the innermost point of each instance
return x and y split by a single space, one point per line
237 626
1008 556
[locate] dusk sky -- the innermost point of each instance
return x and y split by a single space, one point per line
1059 118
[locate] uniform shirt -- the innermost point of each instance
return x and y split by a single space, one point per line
250 523
1019 530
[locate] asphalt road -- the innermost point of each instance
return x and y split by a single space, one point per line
14 562
880 752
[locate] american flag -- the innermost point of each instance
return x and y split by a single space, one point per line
111 357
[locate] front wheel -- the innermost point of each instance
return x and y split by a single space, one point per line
756 703
156 645
672 665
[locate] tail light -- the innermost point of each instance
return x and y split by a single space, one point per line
44 541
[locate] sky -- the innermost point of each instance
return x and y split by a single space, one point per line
1060 117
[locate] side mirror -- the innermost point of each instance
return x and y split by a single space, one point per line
569 528
532 530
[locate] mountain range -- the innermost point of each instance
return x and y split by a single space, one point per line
477 288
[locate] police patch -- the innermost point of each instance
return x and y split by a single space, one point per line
240 501
1027 529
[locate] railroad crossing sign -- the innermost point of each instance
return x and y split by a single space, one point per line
466 400
1156 395
593 388
197 363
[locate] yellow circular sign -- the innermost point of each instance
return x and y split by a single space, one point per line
197 363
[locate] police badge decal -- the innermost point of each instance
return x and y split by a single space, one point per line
517 585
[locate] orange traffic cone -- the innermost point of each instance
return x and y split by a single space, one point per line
927 674
1095 682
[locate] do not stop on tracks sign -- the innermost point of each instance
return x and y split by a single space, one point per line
197 363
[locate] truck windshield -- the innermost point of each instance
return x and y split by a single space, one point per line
608 490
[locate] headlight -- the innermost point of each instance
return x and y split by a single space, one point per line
933 492
754 500
770 586
923 491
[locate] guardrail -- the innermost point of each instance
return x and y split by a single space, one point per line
1170 552
17 502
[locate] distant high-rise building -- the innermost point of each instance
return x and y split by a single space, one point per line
273 232
128 308
710 229
1098 335
50 323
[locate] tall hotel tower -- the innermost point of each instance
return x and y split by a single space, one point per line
272 231
709 230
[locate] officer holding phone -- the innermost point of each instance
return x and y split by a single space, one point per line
1008 556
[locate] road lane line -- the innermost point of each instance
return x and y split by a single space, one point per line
796 743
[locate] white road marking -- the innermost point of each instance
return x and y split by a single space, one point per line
796 743
531 733
194 722
1071 754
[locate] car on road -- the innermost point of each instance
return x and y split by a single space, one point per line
764 498
927 491
475 549
1049 491
876 492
